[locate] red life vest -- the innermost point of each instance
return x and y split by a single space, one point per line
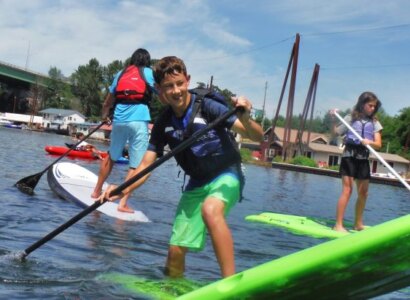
132 87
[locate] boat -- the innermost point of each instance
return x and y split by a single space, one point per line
4 122
14 126
75 183
60 150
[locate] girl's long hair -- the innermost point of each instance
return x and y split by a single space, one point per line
358 109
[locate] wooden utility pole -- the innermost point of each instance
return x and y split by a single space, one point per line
310 100
263 107
293 61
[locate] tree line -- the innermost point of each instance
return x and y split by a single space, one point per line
89 86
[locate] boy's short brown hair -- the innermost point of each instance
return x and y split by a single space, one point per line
168 65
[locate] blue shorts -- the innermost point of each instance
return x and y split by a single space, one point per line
135 134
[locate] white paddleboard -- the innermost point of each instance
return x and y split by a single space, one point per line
75 183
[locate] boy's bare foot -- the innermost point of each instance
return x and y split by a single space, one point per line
339 228
125 209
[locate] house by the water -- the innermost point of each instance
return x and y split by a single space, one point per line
59 120
317 147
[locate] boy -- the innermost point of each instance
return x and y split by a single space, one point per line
213 164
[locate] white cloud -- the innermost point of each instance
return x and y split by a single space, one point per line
218 34
241 45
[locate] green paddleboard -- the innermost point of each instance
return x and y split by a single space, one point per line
313 227
366 264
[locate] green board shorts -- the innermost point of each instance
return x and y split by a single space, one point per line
189 229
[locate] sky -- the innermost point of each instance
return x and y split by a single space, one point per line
360 45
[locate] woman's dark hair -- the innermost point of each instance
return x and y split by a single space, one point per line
140 58
358 109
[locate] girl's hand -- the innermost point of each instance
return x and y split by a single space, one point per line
366 142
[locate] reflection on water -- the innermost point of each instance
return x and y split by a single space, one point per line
66 267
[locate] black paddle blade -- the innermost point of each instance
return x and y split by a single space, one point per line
27 184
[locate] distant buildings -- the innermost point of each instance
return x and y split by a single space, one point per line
317 147
58 120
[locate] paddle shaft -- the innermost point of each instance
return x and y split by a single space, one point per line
374 152
129 182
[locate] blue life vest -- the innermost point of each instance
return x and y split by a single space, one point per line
353 145
364 129
212 153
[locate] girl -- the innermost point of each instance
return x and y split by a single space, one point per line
355 157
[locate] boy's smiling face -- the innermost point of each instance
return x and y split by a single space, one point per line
173 91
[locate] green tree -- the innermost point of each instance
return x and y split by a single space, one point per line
110 71
403 130
390 142
58 94
88 85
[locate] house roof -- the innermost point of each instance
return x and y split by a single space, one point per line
314 136
61 112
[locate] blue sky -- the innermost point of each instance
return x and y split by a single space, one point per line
359 44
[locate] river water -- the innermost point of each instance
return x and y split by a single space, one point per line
67 266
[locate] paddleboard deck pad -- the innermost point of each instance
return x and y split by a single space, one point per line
163 289
75 183
314 227
366 264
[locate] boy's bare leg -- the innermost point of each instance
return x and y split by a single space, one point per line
214 219
175 265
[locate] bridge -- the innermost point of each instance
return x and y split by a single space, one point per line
19 87
16 76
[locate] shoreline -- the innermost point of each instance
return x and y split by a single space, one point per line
333 173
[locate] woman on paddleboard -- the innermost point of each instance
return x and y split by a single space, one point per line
355 158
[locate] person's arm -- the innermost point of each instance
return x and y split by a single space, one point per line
149 78
148 159
110 99
377 143
244 125
108 103
338 129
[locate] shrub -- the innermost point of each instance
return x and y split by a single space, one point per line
246 154
336 167
277 159
303 161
